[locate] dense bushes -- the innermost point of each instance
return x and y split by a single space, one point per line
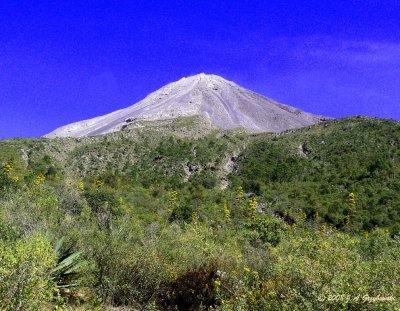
315 169
324 270
144 238
267 229
144 258
25 282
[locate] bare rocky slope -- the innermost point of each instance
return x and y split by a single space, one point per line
224 103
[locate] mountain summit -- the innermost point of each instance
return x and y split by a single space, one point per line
223 102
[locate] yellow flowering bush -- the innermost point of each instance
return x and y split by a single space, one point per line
24 270
8 167
39 180
252 208
227 213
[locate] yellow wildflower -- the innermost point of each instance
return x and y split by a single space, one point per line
227 213
39 180
252 207
8 167
98 182
81 185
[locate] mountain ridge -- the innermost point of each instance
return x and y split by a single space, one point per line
225 103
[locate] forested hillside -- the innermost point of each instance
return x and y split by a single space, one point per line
183 216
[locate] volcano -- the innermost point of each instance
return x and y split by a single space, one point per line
225 103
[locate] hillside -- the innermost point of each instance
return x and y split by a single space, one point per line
313 169
181 207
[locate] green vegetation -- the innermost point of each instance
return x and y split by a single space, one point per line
168 220
358 155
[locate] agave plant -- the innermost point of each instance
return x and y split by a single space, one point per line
66 272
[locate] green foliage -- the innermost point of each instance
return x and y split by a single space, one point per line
7 232
6 184
24 268
266 229
46 166
314 169
320 272
192 290
68 263
155 230
182 212
97 199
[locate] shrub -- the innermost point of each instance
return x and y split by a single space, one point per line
7 183
24 274
320 271
192 290
266 229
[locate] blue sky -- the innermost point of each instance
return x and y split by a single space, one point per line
65 61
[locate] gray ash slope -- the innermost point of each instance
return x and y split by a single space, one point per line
226 104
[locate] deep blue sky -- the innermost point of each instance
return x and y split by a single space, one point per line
64 61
